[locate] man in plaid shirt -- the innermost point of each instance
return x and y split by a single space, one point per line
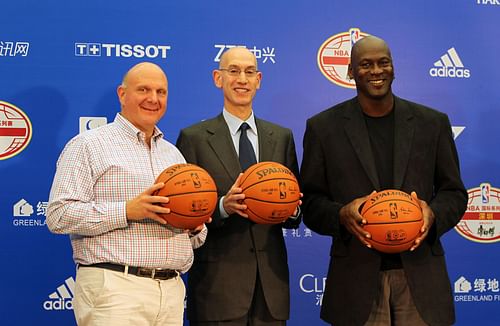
129 259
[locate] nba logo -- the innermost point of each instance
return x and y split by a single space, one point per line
485 192
393 210
354 35
196 180
282 189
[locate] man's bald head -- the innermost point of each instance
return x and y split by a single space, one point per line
236 53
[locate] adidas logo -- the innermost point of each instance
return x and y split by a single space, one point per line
449 65
62 298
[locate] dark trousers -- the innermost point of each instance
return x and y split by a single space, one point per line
258 314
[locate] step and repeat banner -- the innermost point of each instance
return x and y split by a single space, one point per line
60 64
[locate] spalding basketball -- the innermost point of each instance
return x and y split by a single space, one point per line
192 193
394 219
271 192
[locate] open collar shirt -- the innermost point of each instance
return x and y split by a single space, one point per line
97 172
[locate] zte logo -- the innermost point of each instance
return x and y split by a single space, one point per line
121 50
265 54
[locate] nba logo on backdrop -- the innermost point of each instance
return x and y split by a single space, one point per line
481 221
15 130
334 55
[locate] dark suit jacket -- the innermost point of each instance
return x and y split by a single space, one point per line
222 279
338 166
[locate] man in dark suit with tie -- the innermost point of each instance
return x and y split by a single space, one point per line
373 142
240 276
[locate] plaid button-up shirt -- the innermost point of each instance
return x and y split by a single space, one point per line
97 172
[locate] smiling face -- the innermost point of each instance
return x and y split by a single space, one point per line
238 89
371 68
143 96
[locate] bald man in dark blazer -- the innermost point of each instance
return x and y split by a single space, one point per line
240 276
373 142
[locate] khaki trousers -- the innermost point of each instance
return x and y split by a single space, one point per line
107 298
394 305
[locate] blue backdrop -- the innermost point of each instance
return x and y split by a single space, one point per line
60 63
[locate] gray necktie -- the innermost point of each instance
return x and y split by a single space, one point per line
247 153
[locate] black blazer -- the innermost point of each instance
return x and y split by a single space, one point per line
222 278
338 166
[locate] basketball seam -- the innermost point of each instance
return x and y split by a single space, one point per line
190 216
253 184
261 217
191 192
271 202
391 222
249 172
392 200
198 169
391 244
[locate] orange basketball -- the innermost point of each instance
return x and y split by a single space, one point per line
394 219
271 192
192 193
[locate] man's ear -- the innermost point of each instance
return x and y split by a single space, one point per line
217 76
121 93
349 72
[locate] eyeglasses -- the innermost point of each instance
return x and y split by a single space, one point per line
236 72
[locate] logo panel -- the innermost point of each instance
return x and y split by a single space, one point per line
449 66
88 123
62 298
481 221
334 55
15 130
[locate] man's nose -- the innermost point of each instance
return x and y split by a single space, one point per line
153 97
376 69
242 77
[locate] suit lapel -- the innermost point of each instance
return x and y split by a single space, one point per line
355 128
267 142
221 143
404 129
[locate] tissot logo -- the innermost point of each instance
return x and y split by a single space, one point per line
121 50
449 66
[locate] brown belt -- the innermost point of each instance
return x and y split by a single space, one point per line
154 273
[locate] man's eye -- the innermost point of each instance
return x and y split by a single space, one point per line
234 71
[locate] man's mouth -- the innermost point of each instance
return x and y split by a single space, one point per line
241 90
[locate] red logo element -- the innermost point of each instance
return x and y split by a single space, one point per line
334 55
481 221
15 130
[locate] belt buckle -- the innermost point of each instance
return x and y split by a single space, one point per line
145 272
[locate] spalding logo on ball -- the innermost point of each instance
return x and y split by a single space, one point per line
192 193
271 192
394 219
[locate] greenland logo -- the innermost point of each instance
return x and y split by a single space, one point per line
449 66
62 298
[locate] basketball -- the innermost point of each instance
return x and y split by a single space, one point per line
271 192
394 219
192 193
